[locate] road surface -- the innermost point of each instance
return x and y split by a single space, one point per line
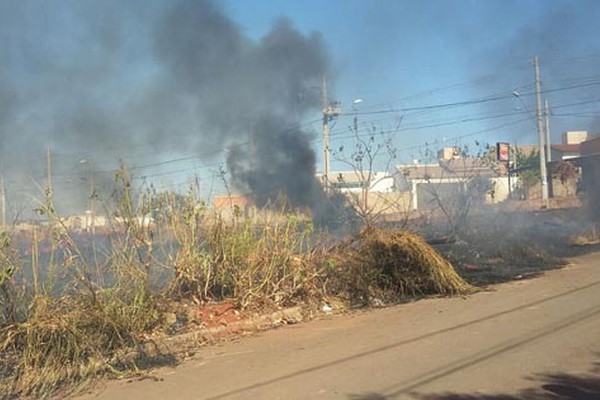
541 335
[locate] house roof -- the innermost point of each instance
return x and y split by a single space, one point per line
590 147
567 148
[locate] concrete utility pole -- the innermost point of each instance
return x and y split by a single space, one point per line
548 150
49 170
92 193
3 201
330 110
325 104
547 125
540 129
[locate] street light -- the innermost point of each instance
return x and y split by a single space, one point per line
518 97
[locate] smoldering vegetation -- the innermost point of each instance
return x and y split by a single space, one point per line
515 240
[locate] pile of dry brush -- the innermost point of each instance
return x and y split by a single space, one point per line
393 265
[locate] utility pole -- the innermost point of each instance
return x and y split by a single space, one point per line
548 150
92 194
49 170
330 110
325 105
547 125
3 201
540 129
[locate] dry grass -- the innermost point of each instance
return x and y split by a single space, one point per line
54 340
590 238
257 266
395 265
67 341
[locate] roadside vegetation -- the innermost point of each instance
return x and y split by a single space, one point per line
74 306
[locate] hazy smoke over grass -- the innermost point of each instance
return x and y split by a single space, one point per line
147 81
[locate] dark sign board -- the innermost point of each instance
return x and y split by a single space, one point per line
503 151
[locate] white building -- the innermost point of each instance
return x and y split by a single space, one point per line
426 182
354 181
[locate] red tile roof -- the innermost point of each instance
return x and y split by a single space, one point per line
590 147
567 148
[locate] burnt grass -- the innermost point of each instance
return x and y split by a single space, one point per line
515 244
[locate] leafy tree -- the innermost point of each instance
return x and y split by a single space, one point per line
528 170
567 174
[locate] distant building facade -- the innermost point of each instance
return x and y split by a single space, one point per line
356 181
429 184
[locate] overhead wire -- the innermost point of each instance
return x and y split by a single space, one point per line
574 83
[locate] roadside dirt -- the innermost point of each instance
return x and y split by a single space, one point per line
501 343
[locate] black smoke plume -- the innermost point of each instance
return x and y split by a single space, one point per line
249 93
147 81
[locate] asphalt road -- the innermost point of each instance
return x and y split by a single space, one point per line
538 337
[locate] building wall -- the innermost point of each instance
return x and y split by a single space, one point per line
86 222
428 193
389 203
590 182
449 153
383 183
574 137
230 206
501 190
351 182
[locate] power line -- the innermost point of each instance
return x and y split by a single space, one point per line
425 108
468 102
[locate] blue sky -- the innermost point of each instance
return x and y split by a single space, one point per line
82 77
387 50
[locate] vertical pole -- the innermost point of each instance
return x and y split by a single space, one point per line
509 183
49 177
92 194
251 148
415 196
547 126
325 104
542 150
3 201
548 150
509 170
